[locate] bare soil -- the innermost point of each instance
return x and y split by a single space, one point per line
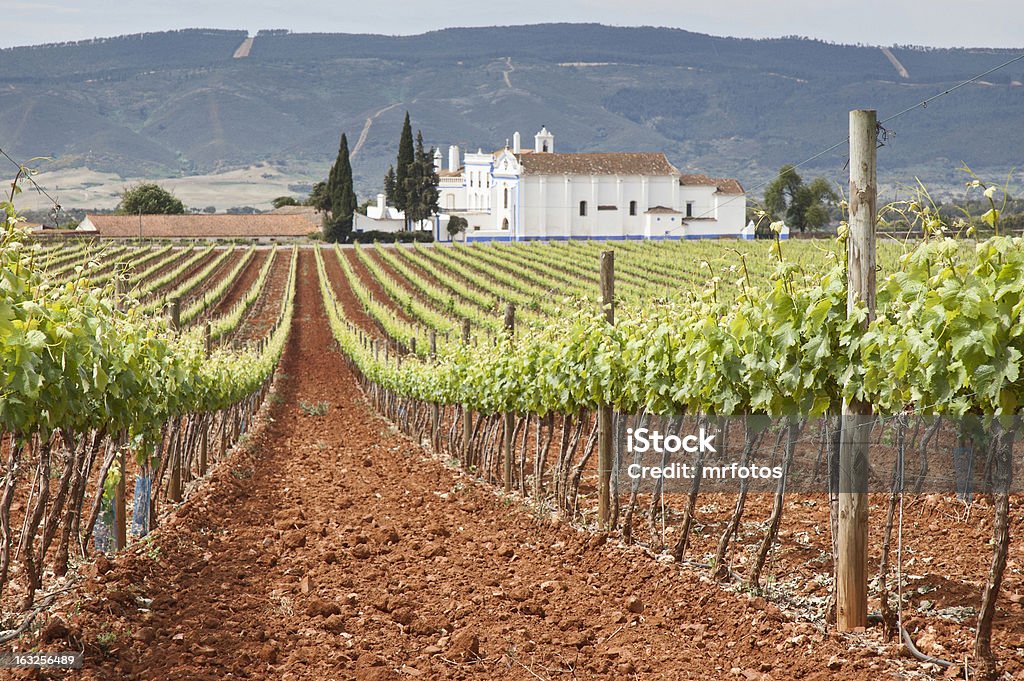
242 284
330 547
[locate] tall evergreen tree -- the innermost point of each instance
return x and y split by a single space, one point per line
389 184
421 185
341 195
406 157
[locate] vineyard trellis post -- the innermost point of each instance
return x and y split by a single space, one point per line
175 312
467 417
604 411
120 490
852 546
510 329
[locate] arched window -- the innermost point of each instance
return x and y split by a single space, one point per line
504 223
632 207
506 197
583 208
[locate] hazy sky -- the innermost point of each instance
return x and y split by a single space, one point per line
943 23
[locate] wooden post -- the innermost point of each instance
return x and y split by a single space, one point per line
433 343
412 345
175 313
208 339
120 490
174 485
604 412
467 416
120 507
120 284
204 443
852 540
510 329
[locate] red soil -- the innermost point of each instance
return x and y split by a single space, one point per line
242 284
331 547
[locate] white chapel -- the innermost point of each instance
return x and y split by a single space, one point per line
521 194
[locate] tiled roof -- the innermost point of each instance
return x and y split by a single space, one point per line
663 210
723 185
308 212
202 226
450 173
644 163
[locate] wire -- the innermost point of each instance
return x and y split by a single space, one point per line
920 105
924 104
57 208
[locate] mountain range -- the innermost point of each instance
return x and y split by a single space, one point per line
199 102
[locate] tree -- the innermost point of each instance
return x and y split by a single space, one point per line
341 195
457 225
282 201
802 206
389 184
318 197
421 185
406 157
149 199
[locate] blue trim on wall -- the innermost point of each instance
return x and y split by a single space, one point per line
625 237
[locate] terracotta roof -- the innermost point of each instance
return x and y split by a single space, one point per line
644 163
450 173
662 210
202 226
294 210
308 212
723 185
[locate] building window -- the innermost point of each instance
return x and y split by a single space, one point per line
583 208
632 207
506 197
689 209
504 223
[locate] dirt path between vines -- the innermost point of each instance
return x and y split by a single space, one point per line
333 548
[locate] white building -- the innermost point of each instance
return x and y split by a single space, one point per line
384 218
517 194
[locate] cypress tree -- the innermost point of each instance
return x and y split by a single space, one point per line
341 195
389 185
406 158
422 193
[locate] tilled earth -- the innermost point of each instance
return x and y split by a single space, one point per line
331 547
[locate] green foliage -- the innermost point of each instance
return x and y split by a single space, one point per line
282 201
946 339
421 185
373 236
341 195
314 409
149 199
75 361
457 225
319 197
403 164
389 184
802 206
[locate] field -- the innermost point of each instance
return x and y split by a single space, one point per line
399 485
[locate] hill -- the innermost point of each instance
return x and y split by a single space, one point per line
178 104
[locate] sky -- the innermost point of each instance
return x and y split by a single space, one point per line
937 23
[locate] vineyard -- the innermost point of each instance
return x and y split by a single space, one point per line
428 500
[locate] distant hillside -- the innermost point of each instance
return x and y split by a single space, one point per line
178 103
